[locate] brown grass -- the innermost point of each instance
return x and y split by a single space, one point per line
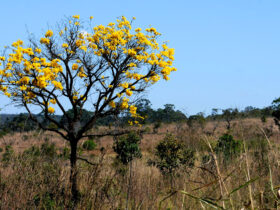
31 182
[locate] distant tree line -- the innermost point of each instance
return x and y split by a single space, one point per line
167 114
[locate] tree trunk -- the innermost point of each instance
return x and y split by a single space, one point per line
73 175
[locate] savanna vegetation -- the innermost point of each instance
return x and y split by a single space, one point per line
97 144
191 163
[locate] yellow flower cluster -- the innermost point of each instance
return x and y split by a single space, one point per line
112 104
76 16
44 40
35 72
51 110
124 103
64 45
75 66
132 110
57 84
128 92
49 33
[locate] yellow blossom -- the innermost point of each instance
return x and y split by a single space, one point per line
128 92
58 85
38 50
49 33
44 41
79 43
132 110
61 32
75 66
51 110
64 45
124 103
53 101
7 94
84 48
76 16
112 104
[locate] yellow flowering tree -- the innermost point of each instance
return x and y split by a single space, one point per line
102 68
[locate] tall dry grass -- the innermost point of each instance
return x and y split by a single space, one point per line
38 177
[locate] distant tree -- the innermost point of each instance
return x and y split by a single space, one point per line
276 111
168 114
21 122
229 115
85 117
214 112
144 109
215 117
197 119
266 112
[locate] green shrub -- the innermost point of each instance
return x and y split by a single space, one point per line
66 152
127 147
157 125
46 200
32 151
147 130
228 147
171 154
48 150
8 153
3 133
89 145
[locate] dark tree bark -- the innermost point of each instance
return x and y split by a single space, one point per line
74 171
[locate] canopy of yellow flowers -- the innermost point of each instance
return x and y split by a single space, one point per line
114 61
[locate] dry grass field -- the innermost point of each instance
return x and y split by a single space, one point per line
33 176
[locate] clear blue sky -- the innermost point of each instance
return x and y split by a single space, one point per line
227 51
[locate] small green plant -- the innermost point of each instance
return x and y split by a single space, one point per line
172 154
263 119
228 147
147 130
52 125
48 150
32 151
65 152
89 145
8 153
127 147
3 133
46 200
157 125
